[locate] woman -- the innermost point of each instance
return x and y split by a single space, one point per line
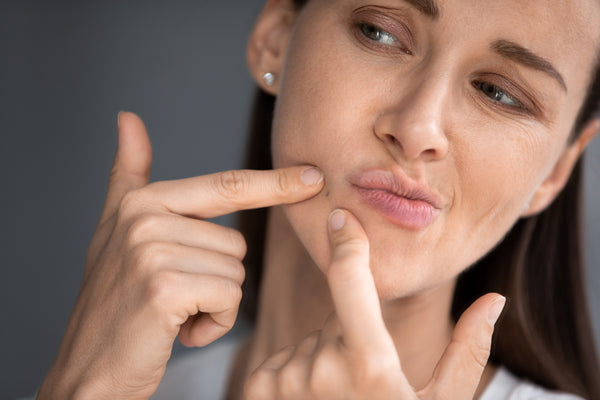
421 148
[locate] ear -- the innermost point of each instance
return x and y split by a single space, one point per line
268 42
556 181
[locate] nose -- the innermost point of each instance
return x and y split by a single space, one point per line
413 128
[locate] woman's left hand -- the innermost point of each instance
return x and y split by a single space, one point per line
354 356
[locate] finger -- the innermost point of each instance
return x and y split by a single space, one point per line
293 377
174 296
458 372
131 166
307 347
201 330
156 256
279 359
222 193
166 227
262 383
353 288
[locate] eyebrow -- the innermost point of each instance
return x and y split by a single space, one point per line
527 58
427 7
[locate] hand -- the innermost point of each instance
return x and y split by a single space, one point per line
354 356
156 270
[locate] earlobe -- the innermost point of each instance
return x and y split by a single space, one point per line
268 43
557 179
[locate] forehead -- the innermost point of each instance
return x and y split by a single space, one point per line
565 32
557 26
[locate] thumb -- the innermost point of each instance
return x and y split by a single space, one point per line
133 159
458 372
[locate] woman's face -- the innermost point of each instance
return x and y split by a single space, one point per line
434 128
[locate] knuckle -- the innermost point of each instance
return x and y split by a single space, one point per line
140 229
371 372
320 374
282 183
149 256
237 243
230 292
347 245
232 184
472 354
235 292
161 288
289 379
480 354
256 385
238 272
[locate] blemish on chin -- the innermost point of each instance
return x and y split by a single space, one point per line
327 193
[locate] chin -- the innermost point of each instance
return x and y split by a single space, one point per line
400 260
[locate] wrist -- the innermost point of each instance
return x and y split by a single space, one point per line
58 385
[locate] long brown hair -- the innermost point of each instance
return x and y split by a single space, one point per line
545 335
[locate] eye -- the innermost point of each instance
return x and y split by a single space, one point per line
379 35
498 95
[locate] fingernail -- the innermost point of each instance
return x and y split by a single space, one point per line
337 219
311 176
495 310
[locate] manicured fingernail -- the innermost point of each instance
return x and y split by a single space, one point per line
311 176
495 310
337 219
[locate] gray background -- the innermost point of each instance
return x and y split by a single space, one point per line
67 68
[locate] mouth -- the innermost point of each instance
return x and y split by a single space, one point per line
401 200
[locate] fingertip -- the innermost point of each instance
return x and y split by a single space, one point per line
129 120
343 226
336 220
123 115
346 235
495 309
312 176
481 316
134 141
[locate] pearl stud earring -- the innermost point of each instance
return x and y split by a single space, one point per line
269 79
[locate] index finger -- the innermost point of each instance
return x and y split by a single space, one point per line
222 193
353 288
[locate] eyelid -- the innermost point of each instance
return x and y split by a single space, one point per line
514 91
389 24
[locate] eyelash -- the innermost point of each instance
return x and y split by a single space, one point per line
373 34
494 93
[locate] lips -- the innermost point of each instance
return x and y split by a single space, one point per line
400 199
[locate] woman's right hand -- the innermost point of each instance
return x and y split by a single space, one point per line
156 270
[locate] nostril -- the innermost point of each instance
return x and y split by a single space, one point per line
393 142
391 139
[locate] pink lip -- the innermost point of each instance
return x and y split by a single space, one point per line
401 200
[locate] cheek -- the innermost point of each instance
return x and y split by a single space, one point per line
496 175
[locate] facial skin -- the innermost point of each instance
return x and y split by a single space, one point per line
415 102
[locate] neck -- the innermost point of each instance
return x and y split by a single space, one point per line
295 302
